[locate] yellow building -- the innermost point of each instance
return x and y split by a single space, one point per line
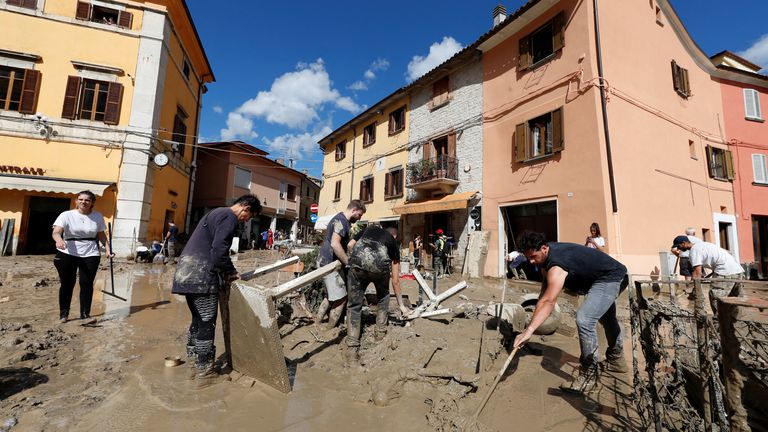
91 92
366 159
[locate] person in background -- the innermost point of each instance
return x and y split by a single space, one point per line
439 253
203 271
686 269
77 234
170 241
334 248
595 240
270 239
418 244
264 234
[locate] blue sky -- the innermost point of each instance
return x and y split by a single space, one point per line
289 72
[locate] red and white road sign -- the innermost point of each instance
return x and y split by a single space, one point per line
313 208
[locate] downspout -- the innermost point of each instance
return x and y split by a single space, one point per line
352 182
193 167
611 179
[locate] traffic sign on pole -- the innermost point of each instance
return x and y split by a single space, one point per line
313 208
313 217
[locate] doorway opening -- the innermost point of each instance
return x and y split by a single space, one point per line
539 217
43 212
760 239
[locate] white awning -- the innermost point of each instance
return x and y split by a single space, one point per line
52 185
388 218
322 222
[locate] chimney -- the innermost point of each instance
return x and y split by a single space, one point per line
281 161
499 14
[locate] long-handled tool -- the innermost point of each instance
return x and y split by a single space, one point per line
111 267
473 419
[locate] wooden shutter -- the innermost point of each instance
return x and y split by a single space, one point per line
675 76
83 11
71 96
114 100
558 143
30 91
370 190
730 173
558 32
710 164
427 147
29 4
391 122
524 57
521 142
685 84
452 145
388 184
13 3
124 19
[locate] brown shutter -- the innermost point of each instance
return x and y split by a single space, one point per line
13 3
675 76
391 122
452 145
558 144
558 32
114 100
388 184
83 11
370 191
30 91
524 57
686 86
29 4
729 171
71 94
362 190
125 19
521 142
427 147
710 165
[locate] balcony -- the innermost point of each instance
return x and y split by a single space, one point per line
441 172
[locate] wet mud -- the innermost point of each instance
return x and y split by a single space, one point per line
429 374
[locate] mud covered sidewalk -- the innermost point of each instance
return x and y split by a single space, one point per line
429 375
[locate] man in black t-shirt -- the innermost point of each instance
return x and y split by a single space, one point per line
583 271
374 258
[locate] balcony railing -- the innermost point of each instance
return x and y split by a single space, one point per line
439 171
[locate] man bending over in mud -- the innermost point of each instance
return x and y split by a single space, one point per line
204 269
374 258
335 248
582 271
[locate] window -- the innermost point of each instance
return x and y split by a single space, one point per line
29 4
680 80
19 89
393 183
88 12
179 131
186 69
397 120
539 137
720 163
440 93
369 134
337 192
759 168
692 149
242 178
291 191
366 190
89 99
341 151
542 44
752 104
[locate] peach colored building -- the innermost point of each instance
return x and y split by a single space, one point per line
227 170
586 121
747 132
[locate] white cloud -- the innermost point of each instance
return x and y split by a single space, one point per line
294 100
438 53
358 85
369 75
758 52
217 109
297 146
238 127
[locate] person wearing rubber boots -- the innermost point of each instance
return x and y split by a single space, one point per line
581 271
374 258
203 272
335 247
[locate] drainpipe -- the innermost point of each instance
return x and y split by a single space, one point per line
352 182
614 204
193 167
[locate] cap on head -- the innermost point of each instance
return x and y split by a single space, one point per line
679 240
439 231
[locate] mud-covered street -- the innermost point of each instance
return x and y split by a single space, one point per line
110 375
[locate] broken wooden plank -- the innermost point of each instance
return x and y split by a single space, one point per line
268 268
423 284
301 281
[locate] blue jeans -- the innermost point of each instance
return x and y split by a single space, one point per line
599 305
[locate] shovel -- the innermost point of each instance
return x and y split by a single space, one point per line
473 419
111 267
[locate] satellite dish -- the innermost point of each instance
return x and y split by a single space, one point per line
160 160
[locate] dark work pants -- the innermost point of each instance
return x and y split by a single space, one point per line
204 309
357 281
68 267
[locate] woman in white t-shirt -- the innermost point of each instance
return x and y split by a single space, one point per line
77 234
595 240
